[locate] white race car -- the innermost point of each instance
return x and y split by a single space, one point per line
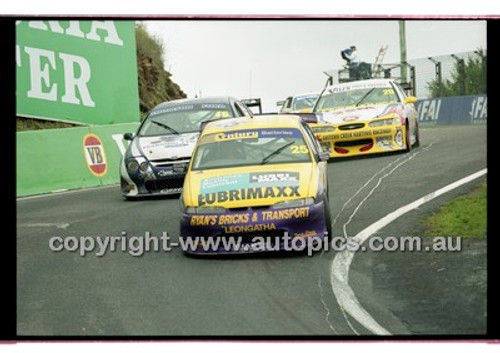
158 155
300 103
365 117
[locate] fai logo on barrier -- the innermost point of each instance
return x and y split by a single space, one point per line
95 155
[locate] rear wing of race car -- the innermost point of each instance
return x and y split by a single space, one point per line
252 102
310 118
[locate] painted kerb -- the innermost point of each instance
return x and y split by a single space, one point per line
77 71
56 159
471 109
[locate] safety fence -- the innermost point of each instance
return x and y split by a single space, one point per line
453 110
71 158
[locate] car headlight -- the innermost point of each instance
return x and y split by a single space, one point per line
143 166
294 203
204 210
383 122
132 166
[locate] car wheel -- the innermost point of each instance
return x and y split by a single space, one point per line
417 136
407 137
328 219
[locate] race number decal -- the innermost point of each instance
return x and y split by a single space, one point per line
299 149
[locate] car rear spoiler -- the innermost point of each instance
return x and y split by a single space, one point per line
310 118
204 123
252 102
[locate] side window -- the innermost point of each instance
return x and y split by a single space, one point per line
312 140
288 102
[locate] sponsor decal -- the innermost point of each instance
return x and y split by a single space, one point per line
95 155
252 134
236 135
276 178
214 106
429 110
248 194
172 109
245 180
347 135
249 222
479 109
224 182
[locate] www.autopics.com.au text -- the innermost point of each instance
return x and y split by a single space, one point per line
139 245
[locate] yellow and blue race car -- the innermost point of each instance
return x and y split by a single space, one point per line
364 117
259 182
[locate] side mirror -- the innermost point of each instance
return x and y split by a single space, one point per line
410 99
280 103
324 156
129 136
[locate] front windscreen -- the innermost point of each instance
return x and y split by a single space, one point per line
182 119
250 147
304 102
356 98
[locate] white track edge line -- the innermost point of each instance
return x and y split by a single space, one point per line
341 263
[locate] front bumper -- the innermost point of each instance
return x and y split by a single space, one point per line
366 140
153 182
252 230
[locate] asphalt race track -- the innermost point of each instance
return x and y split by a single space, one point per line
170 294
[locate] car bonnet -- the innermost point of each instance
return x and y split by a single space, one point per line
250 186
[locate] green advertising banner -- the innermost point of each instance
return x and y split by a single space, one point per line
71 158
77 71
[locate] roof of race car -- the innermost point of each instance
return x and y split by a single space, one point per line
352 85
255 122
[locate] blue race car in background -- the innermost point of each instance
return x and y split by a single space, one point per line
158 154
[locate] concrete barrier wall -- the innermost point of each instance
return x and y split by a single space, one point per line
74 158
453 110
71 158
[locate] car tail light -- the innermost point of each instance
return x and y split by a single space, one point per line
341 150
366 147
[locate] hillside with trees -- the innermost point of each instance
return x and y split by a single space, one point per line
155 83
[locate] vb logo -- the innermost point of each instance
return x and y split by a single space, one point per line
95 155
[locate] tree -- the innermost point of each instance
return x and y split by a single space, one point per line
468 77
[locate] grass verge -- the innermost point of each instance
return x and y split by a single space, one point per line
465 216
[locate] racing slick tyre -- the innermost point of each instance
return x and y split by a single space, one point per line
417 136
328 219
407 137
